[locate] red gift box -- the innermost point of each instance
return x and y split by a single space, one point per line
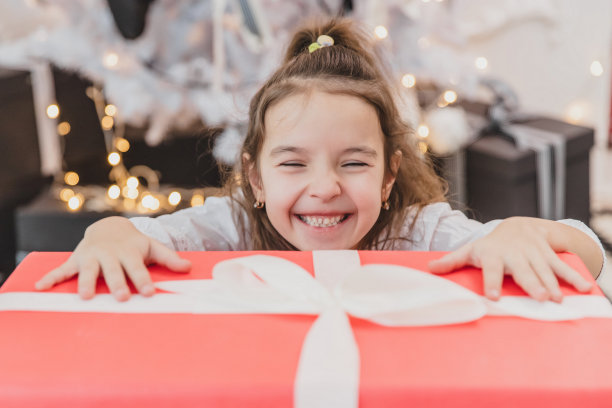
187 355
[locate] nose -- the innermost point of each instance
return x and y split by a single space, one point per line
325 185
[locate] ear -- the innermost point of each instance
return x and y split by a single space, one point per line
253 175
396 159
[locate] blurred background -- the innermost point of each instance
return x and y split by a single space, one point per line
104 104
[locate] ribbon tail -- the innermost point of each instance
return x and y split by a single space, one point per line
328 370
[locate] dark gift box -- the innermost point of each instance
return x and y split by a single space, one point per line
503 178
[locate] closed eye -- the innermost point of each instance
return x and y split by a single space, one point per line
292 164
355 164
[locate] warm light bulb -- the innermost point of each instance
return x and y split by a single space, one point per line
114 191
132 193
381 32
111 59
66 194
122 144
423 131
71 178
63 128
576 112
114 158
75 202
110 109
481 63
132 182
107 122
423 147
408 80
174 198
155 204
53 111
148 201
450 96
596 68
197 199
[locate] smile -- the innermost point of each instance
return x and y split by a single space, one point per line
322 221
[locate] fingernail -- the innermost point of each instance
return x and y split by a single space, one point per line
121 294
557 297
541 294
86 293
493 294
147 290
38 286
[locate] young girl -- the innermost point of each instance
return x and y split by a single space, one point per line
328 164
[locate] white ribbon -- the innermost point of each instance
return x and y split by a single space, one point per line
328 369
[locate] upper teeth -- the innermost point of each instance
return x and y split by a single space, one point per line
321 221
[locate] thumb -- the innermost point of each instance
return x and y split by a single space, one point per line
165 256
452 261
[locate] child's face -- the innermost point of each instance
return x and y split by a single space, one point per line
321 170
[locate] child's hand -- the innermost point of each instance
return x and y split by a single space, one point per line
115 248
524 248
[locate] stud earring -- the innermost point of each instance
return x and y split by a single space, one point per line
385 205
258 205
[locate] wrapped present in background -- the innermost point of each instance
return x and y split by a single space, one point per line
532 166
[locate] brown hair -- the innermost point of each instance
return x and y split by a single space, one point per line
348 67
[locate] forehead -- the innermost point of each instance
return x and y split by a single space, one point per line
319 118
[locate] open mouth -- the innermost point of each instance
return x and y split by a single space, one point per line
322 221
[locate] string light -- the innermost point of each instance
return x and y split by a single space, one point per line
132 193
53 111
423 131
63 128
132 182
596 68
381 32
423 147
66 194
110 60
450 96
71 178
576 112
110 109
122 144
75 202
481 63
408 80
107 122
197 200
114 158
174 198
114 192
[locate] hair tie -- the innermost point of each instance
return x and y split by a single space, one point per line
322 41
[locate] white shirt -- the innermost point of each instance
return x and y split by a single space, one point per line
211 227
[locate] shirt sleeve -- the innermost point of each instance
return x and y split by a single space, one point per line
210 227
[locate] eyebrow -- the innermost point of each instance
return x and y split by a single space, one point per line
294 149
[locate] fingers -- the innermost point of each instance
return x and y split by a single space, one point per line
547 277
524 276
57 275
493 276
115 278
139 275
452 261
571 276
88 278
162 255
